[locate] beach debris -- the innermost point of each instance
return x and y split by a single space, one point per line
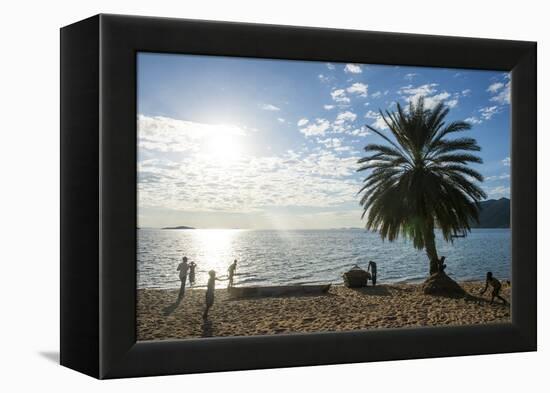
356 277
441 284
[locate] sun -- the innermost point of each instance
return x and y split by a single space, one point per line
225 145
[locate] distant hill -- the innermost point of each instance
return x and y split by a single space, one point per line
494 214
179 227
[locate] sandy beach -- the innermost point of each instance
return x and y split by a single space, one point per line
342 309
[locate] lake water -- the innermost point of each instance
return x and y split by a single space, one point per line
311 256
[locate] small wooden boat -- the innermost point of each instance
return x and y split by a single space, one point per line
356 277
278 291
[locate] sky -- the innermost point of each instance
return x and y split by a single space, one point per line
228 142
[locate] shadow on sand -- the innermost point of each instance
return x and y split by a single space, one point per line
166 311
207 330
481 300
239 298
381 290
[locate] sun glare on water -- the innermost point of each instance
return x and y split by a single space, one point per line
217 247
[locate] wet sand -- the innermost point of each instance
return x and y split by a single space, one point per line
342 309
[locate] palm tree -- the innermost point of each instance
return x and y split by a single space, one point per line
420 180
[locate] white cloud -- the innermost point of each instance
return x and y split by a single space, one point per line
493 88
324 78
281 120
360 132
330 66
503 96
432 101
353 68
343 148
293 179
503 176
269 107
379 124
410 76
452 103
376 94
473 120
418 91
163 134
429 92
343 122
339 95
330 142
194 180
498 192
372 115
346 116
328 107
319 127
500 90
466 92
441 96
358 88
506 161
488 112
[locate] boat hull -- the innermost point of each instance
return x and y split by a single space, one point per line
277 291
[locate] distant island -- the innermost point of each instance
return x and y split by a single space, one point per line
494 213
179 227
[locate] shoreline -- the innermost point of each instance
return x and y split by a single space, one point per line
406 281
342 309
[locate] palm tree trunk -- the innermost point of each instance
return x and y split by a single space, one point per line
429 244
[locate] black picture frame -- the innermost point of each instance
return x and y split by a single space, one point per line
98 195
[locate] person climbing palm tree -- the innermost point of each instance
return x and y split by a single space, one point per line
420 178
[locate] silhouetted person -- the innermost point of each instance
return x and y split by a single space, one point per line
490 280
192 267
182 268
441 265
372 269
231 270
210 290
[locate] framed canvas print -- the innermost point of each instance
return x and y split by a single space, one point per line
238 196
